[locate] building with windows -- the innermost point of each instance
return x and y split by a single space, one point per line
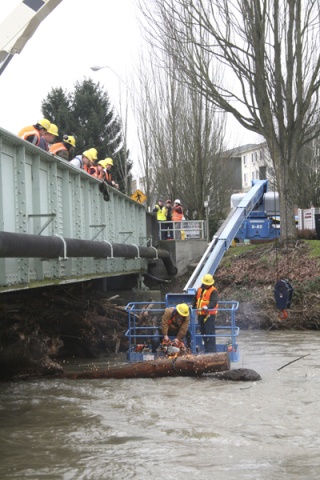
253 163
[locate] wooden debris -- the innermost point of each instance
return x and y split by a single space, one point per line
188 365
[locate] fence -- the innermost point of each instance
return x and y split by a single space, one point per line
187 229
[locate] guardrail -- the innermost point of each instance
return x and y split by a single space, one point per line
184 230
141 333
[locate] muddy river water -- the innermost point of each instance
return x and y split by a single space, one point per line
171 428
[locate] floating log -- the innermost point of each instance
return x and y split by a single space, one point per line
239 375
187 365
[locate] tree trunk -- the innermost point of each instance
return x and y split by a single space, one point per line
188 365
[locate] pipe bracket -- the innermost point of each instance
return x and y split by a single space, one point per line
138 257
111 248
64 247
157 256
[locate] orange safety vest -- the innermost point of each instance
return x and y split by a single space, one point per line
108 176
203 299
57 147
95 173
30 131
176 217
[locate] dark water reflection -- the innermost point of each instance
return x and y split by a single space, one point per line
171 428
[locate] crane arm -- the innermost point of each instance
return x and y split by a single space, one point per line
20 25
222 240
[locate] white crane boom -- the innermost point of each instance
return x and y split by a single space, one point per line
20 25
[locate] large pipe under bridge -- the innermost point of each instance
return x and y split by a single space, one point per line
17 245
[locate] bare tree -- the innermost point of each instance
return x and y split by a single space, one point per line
307 179
182 139
268 57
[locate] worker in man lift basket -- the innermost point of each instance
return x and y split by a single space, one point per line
175 322
206 302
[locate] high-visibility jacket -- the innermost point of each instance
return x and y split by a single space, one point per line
161 212
203 299
59 149
108 177
56 147
95 173
177 216
30 134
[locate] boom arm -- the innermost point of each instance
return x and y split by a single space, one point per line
221 242
20 25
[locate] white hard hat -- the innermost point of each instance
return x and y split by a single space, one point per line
177 201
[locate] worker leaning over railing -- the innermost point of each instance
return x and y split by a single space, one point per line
33 133
64 149
206 301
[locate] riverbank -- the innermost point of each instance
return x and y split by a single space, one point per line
248 274
44 326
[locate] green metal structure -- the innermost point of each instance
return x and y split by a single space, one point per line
44 195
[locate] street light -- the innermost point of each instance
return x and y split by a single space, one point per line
96 68
206 206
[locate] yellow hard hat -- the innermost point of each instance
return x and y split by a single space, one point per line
103 163
91 154
69 139
207 279
53 129
109 161
44 123
183 309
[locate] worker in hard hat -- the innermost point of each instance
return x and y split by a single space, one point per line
64 149
98 170
177 217
49 137
85 161
108 165
175 322
161 212
206 303
33 133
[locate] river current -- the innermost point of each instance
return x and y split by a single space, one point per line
171 428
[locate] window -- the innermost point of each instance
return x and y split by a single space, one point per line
252 176
244 161
245 178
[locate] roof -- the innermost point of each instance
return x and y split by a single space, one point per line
238 151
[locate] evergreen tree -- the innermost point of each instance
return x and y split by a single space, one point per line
87 114
57 107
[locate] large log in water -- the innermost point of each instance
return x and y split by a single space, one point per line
188 365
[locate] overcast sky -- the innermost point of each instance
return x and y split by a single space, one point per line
75 36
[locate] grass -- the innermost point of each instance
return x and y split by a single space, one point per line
314 248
